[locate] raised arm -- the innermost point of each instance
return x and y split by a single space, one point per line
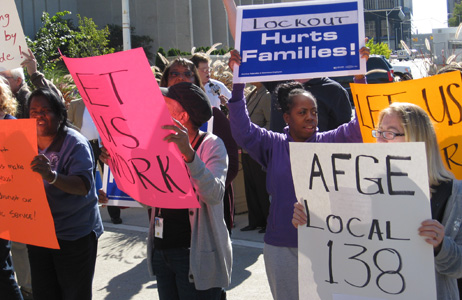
231 11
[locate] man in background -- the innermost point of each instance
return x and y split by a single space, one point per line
214 89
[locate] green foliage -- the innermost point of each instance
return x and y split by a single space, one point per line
88 40
54 34
60 33
177 52
456 15
116 40
379 48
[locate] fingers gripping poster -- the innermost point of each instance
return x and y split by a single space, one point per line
365 203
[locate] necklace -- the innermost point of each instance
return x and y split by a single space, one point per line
194 139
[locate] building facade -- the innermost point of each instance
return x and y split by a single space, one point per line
184 24
399 27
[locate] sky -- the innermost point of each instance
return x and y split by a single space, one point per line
428 14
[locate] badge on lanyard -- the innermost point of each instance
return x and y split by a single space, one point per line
159 227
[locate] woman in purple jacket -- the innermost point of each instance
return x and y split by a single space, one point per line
271 150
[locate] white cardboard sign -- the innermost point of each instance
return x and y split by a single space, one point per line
365 204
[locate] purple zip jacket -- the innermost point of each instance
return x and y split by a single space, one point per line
271 150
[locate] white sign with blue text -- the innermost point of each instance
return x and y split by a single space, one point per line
299 40
365 203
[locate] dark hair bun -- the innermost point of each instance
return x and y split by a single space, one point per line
283 90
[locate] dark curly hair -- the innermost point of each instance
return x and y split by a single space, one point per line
287 91
56 103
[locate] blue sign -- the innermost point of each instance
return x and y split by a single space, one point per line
116 196
300 40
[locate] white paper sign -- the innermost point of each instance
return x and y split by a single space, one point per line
12 40
365 203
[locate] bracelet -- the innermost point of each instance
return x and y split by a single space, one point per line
55 174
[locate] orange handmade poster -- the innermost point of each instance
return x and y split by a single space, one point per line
24 212
440 96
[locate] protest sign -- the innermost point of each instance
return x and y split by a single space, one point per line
355 244
12 40
115 196
440 96
299 40
128 109
25 216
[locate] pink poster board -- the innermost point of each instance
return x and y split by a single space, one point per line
125 102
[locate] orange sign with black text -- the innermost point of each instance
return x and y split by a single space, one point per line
25 215
440 96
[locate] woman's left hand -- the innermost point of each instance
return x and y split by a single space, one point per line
41 165
433 232
364 52
181 138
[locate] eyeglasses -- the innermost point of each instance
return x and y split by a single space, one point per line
388 135
206 69
186 74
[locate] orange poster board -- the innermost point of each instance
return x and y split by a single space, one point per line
440 96
24 212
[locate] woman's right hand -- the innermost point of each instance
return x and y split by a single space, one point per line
234 59
299 217
104 156
102 198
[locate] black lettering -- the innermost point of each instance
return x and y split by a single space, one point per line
453 99
298 23
255 24
85 88
340 223
316 21
388 232
388 159
281 24
167 178
273 24
377 181
375 229
140 174
106 133
430 113
448 157
317 173
121 167
308 216
349 228
137 143
336 172
113 85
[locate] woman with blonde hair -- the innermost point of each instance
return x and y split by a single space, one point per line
8 285
406 122
8 104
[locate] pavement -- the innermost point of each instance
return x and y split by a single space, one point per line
121 268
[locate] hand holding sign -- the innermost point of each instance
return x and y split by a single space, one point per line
41 165
25 216
181 139
300 217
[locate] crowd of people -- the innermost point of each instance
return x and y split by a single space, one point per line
189 250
